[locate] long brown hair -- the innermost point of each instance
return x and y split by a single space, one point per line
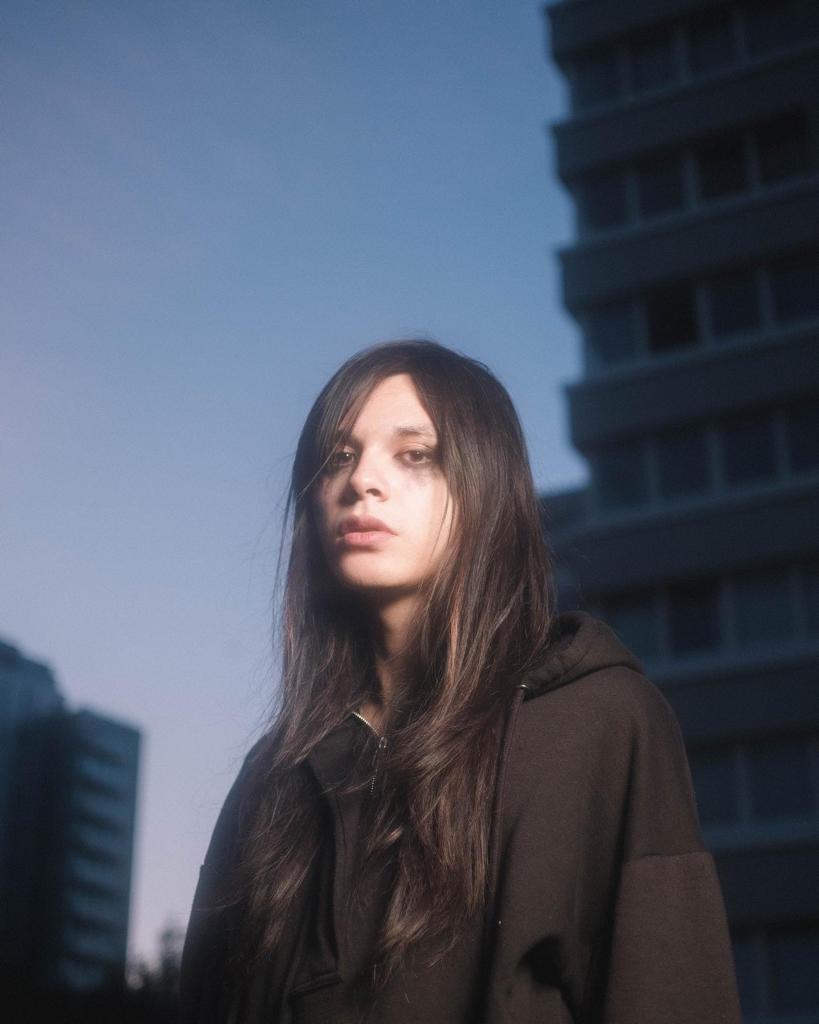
487 618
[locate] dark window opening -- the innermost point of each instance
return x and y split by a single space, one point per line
633 617
794 954
620 476
722 167
652 60
795 285
610 332
748 448
746 959
777 24
660 186
711 42
603 199
682 459
713 772
734 303
782 144
802 430
779 777
763 611
810 595
595 78
671 318
693 617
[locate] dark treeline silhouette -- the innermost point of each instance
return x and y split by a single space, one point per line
150 996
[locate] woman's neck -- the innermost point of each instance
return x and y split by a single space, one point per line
391 632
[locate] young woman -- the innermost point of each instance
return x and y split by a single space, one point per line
467 807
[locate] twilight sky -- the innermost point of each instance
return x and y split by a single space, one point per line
206 207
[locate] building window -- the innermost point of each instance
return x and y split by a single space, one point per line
671 319
596 78
747 954
652 60
810 596
776 970
711 42
610 332
802 432
722 167
782 145
772 26
682 459
603 199
733 301
795 286
620 476
693 617
660 185
794 954
713 771
748 448
763 613
779 776
633 616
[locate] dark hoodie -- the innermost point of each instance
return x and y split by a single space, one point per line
605 906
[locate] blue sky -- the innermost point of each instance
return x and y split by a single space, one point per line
207 207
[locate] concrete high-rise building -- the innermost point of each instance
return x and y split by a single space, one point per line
691 153
67 813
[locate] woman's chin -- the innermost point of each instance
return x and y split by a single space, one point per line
379 586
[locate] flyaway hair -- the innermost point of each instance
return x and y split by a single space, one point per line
486 619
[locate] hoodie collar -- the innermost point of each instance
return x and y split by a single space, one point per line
581 644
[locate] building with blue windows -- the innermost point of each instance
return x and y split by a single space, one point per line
691 154
68 785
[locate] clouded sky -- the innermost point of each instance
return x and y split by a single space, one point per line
206 208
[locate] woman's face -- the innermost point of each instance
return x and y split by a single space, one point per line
388 468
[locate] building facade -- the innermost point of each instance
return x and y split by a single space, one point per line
691 154
68 786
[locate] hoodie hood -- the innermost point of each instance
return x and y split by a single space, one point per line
582 644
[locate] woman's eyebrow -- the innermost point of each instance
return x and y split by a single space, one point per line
408 430
411 431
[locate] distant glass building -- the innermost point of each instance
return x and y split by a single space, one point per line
67 811
691 153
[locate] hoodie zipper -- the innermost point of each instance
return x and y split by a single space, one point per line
382 742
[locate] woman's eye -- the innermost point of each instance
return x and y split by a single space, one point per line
418 456
338 460
414 457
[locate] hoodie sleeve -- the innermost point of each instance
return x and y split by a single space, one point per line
664 954
202 951
668 957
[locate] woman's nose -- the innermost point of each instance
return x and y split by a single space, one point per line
367 476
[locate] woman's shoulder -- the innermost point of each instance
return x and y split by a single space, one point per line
593 713
589 673
610 709
605 743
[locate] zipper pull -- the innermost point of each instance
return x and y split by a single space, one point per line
382 742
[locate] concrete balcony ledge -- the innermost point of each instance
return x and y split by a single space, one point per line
776 524
775 221
771 368
616 131
730 663
773 834
581 23
678 513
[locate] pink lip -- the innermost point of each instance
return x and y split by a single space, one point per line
362 526
363 538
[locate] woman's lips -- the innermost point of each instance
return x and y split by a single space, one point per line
364 538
